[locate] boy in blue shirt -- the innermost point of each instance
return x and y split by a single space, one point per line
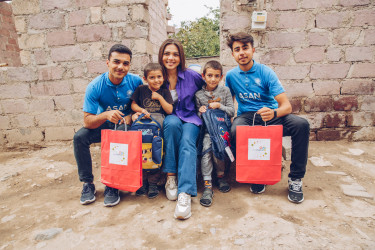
106 103
258 90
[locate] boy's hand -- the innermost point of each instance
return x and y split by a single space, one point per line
155 96
147 114
202 109
266 113
214 105
135 116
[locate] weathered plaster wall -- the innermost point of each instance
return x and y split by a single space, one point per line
323 52
64 45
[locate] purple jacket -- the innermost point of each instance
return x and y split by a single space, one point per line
188 83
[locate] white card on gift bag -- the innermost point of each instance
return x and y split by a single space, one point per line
118 154
259 149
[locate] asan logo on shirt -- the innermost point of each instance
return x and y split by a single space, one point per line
255 96
121 108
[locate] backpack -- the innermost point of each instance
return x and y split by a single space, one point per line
218 126
152 142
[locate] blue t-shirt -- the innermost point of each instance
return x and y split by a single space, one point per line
254 89
102 95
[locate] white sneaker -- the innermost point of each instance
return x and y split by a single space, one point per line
171 188
183 207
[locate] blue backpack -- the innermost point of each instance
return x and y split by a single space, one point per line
218 126
152 142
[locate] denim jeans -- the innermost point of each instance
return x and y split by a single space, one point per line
181 152
296 127
81 142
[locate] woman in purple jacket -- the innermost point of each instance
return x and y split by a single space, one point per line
181 128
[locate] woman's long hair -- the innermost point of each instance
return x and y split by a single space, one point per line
181 52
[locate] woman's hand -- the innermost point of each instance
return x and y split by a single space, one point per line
214 105
202 109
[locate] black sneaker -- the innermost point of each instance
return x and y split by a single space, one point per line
141 191
88 193
257 188
206 199
223 185
111 197
153 191
295 193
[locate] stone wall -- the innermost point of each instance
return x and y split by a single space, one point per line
323 53
64 45
9 50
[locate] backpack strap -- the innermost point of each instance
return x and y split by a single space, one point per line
142 115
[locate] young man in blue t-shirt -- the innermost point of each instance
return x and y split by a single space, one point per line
107 102
258 90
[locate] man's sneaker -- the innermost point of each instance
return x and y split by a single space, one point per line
257 188
206 199
295 193
171 188
88 193
153 191
111 197
183 207
141 191
223 185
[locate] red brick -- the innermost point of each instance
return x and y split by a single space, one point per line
361 119
346 103
290 20
331 20
359 54
21 74
68 53
347 3
51 73
333 54
307 4
296 105
97 66
369 37
346 36
80 17
115 14
93 33
328 135
14 106
358 87
363 70
318 104
89 3
56 4
292 72
298 89
326 88
46 21
56 38
318 38
280 57
5 9
328 71
285 40
364 17
40 57
368 103
236 22
284 5
335 120
315 120
311 54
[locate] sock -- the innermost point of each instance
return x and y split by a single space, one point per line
208 184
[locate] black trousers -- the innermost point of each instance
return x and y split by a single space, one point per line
296 127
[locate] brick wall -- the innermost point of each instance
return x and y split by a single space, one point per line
323 53
64 45
9 50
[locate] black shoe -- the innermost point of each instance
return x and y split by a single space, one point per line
111 197
206 199
153 191
141 191
223 185
257 188
88 193
295 193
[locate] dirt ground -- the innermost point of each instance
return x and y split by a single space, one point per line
40 209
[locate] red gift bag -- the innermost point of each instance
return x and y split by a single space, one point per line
258 154
121 159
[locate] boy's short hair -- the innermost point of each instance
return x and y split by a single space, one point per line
152 67
120 48
240 37
213 65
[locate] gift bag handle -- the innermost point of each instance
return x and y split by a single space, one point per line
126 126
265 123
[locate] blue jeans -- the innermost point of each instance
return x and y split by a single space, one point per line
181 152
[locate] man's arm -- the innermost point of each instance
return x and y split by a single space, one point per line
92 121
284 108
